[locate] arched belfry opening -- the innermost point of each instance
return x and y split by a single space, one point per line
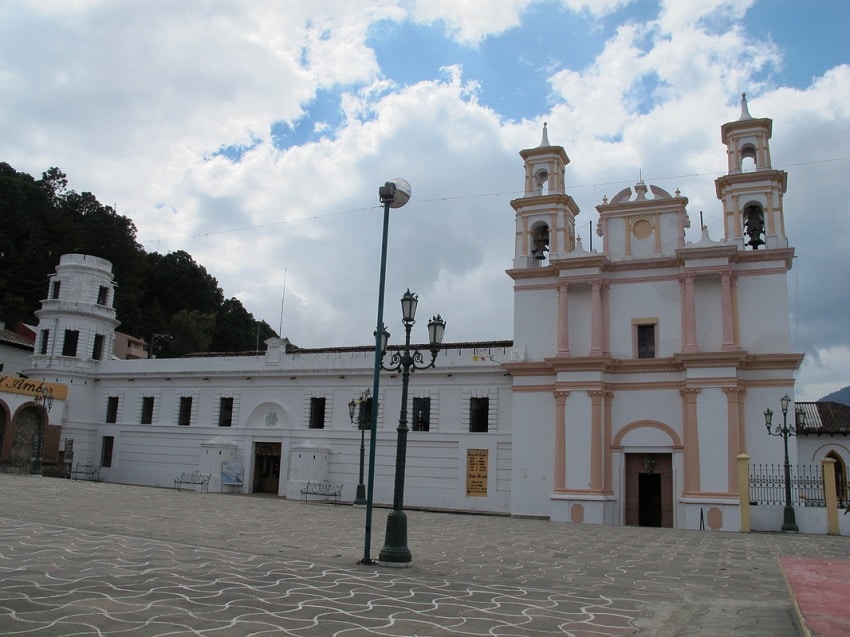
754 225
749 158
540 241
541 181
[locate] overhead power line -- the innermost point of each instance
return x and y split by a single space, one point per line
512 194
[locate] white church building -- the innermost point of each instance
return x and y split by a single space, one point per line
634 377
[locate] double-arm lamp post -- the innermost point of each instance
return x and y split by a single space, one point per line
395 551
44 401
789 522
358 412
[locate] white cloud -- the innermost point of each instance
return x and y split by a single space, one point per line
823 372
132 100
468 20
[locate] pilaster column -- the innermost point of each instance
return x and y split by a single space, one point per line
734 434
563 320
608 427
596 438
559 472
729 344
689 322
596 318
691 451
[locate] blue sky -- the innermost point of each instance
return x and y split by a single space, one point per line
254 135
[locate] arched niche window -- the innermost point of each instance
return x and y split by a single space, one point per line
754 225
840 470
540 241
748 158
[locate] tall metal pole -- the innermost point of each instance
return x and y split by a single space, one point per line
376 382
395 551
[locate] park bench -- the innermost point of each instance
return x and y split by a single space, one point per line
194 478
86 471
323 489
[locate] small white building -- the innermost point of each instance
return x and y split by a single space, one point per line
635 376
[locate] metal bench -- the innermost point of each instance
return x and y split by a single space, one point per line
194 478
323 489
85 471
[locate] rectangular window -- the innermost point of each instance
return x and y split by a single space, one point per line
185 414
112 409
225 411
45 336
106 451
421 414
317 413
102 295
69 346
645 337
54 289
97 350
479 413
147 410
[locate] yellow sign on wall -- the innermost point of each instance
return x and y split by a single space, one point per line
477 461
30 387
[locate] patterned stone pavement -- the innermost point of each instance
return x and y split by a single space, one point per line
79 558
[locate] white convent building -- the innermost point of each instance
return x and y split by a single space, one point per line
634 378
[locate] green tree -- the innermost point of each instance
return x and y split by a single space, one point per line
40 220
191 331
236 329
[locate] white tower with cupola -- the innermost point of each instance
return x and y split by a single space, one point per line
76 322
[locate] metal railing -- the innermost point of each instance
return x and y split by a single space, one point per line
767 486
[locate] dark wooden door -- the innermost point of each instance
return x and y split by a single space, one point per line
649 489
267 467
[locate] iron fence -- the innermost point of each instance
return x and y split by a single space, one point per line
767 486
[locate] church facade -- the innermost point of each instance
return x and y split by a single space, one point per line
634 378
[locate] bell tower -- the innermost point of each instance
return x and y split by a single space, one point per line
751 191
545 214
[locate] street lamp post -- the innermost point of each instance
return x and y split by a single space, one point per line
789 522
357 412
393 194
157 339
44 401
395 551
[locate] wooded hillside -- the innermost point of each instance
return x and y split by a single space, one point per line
42 219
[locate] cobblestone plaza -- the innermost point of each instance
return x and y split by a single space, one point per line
83 558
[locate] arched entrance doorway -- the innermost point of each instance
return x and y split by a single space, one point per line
26 431
840 470
649 489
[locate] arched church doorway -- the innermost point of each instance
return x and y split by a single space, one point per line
267 467
649 489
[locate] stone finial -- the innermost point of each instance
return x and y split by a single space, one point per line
745 112
545 139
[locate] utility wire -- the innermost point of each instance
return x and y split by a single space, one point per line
514 193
